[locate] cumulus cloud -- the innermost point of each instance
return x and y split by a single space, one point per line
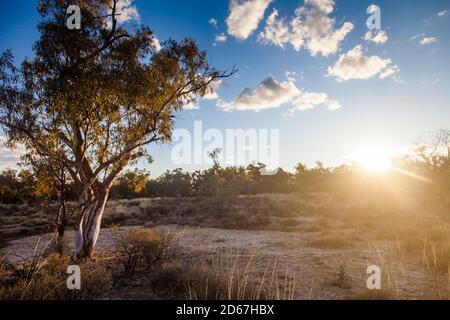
214 87
423 39
356 65
221 37
213 22
378 37
428 40
10 157
126 11
443 13
272 94
245 16
311 28
326 6
192 103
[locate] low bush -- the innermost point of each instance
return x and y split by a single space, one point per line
142 248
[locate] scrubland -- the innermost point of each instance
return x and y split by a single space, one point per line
286 246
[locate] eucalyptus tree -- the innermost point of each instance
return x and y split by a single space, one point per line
92 99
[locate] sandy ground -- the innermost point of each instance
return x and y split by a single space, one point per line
319 273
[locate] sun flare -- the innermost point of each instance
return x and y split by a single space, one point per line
374 158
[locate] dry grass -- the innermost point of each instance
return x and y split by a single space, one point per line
398 234
331 240
215 279
372 295
45 279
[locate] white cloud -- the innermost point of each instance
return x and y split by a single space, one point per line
156 44
214 87
245 16
355 65
378 37
420 35
276 31
326 6
213 22
428 40
10 157
443 13
126 11
272 94
221 37
192 105
424 39
311 28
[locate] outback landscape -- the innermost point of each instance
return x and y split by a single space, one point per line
297 245
186 169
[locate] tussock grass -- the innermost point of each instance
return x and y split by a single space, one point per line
45 278
232 280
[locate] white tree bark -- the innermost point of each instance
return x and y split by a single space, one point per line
88 225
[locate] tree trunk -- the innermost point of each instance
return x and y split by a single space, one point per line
92 204
61 221
60 226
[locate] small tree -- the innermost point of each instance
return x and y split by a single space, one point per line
175 183
51 181
91 99
9 187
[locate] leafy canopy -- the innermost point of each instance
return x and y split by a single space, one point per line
91 99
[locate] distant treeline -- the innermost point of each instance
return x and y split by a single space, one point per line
420 174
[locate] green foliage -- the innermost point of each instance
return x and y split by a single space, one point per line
89 100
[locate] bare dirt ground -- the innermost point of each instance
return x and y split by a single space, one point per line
325 242
319 273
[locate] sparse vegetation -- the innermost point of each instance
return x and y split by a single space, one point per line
44 278
142 249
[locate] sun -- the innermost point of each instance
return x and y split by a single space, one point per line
373 158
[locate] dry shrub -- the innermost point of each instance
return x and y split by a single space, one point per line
142 249
170 280
48 281
96 280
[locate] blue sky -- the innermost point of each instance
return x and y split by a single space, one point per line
391 89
